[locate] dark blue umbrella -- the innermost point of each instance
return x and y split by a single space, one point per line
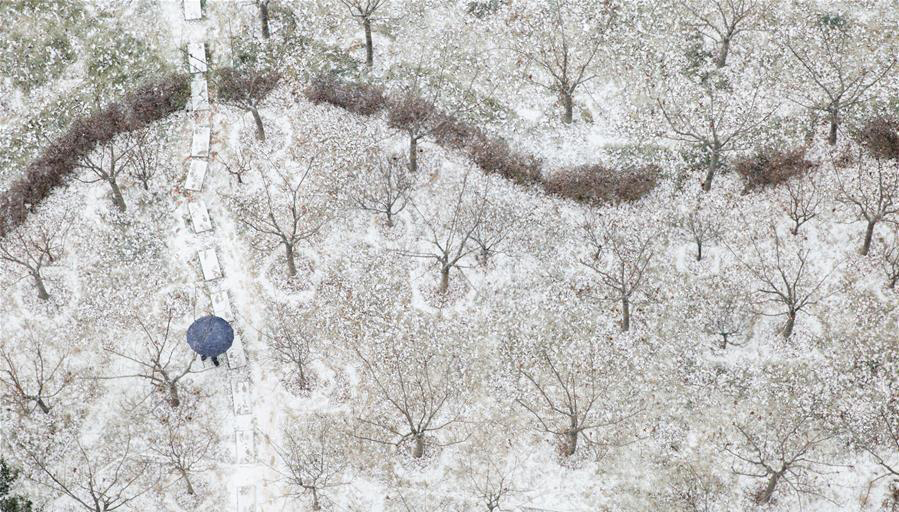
210 336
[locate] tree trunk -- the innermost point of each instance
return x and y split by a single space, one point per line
315 504
568 442
568 108
369 47
788 327
869 236
893 281
766 495
444 280
263 18
698 250
723 340
43 406
260 130
117 195
413 154
834 124
625 314
190 488
721 61
419 448
291 264
389 214
174 399
41 289
713 167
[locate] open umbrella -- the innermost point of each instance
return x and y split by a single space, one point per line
210 336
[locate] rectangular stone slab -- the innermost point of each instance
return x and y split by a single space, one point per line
193 9
221 306
199 94
199 217
196 57
209 262
199 146
243 400
237 358
246 498
245 442
196 174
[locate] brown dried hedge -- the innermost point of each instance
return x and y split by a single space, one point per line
148 103
591 184
769 167
597 184
880 136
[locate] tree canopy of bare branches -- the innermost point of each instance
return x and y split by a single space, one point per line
840 59
871 188
36 247
620 257
162 360
558 42
312 458
246 89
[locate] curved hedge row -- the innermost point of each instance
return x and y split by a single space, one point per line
591 184
150 102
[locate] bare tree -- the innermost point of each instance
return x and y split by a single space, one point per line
784 278
104 477
161 360
287 213
620 258
385 190
146 158
702 226
889 260
488 468
725 311
33 372
571 379
312 458
720 21
37 247
183 445
800 199
841 59
696 490
107 163
872 190
562 40
714 118
498 222
364 11
449 234
414 373
245 89
779 451
238 165
291 340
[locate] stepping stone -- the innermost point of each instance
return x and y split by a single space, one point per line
237 358
221 305
246 498
245 440
196 57
199 217
199 146
199 94
193 9
209 262
243 400
196 174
